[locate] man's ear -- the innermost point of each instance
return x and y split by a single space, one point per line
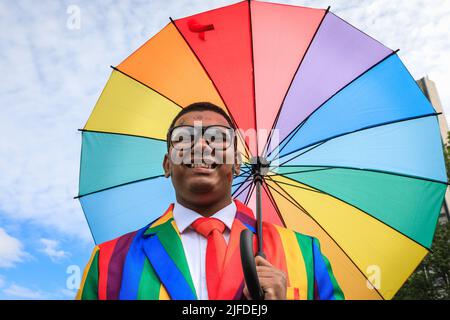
237 163
166 165
237 159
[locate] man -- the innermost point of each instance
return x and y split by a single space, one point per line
192 250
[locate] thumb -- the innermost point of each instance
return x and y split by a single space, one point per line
260 261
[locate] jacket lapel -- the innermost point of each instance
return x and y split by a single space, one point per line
164 249
232 281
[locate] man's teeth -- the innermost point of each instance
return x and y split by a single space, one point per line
202 165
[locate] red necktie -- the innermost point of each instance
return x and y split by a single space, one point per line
212 229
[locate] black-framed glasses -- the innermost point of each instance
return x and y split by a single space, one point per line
216 136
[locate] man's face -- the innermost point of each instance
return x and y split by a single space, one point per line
197 183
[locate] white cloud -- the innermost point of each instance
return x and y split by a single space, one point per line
11 250
20 292
12 290
67 294
50 248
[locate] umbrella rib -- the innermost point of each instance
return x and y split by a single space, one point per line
434 114
146 85
238 184
135 181
243 174
332 96
288 137
122 134
253 75
274 204
292 80
241 182
89 225
237 195
299 187
360 31
117 186
246 170
352 168
164 96
339 199
247 198
303 171
211 79
240 192
317 145
296 186
296 204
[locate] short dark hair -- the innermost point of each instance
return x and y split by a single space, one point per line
199 106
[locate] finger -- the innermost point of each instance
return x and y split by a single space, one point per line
260 261
267 269
272 289
275 271
269 275
270 283
278 278
269 294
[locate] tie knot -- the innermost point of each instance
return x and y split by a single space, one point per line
205 226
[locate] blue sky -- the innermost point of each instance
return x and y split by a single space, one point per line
54 68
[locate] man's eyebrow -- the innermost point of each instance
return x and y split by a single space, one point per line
195 118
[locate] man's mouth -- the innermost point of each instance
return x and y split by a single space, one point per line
201 165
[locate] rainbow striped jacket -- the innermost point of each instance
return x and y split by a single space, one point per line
150 263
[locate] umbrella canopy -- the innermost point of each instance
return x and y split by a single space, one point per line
354 147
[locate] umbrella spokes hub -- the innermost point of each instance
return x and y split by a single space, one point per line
260 166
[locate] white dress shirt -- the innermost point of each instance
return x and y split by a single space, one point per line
194 244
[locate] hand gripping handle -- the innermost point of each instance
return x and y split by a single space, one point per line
249 265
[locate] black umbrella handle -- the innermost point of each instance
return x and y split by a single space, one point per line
249 265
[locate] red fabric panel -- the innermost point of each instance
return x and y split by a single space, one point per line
269 212
281 36
105 253
221 40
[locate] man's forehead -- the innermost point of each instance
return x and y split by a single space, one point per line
205 117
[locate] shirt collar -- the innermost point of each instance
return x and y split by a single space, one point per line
184 217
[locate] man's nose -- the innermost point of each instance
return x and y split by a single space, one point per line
200 143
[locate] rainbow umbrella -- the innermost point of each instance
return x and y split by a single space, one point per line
354 159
